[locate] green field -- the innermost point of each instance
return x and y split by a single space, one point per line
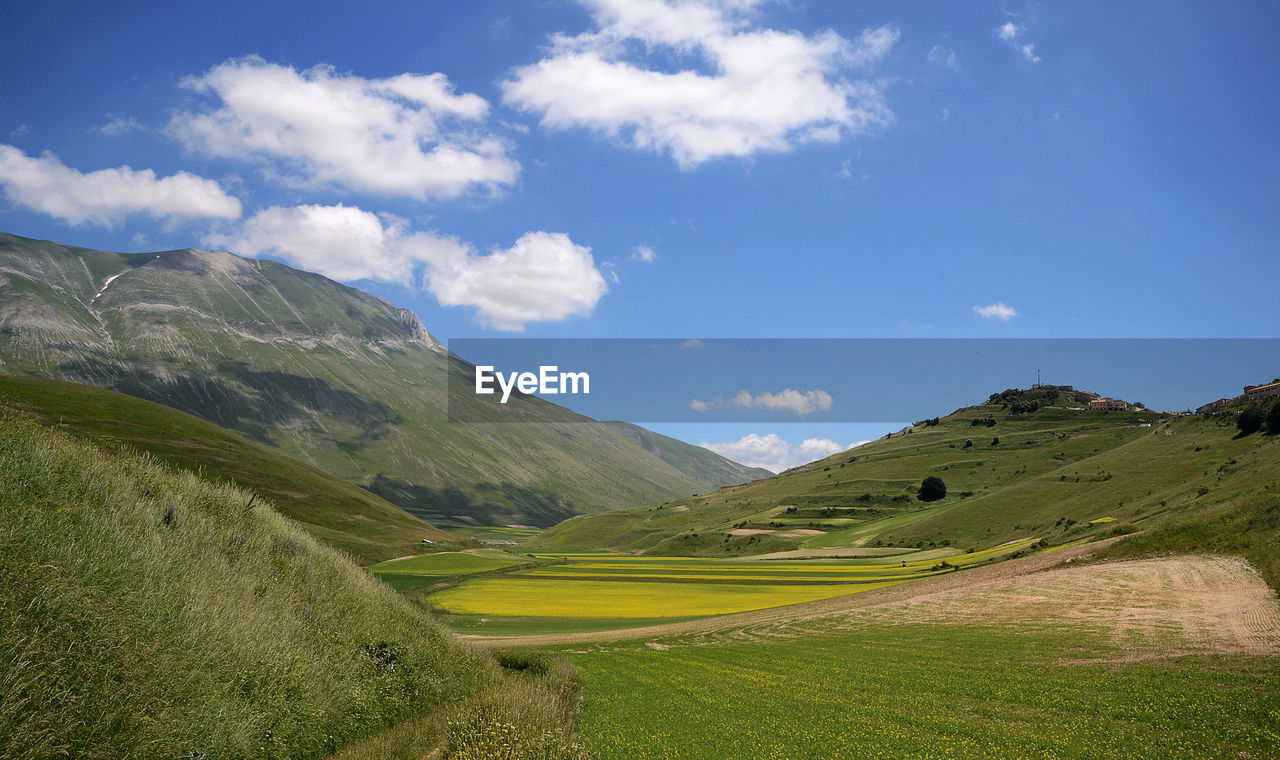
449 563
600 586
921 692
409 573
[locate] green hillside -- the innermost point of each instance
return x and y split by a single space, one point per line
324 373
343 515
147 613
705 465
1054 474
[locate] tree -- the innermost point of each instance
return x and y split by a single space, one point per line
931 489
995 441
1250 420
1273 419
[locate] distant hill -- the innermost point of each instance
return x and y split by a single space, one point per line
1053 473
324 373
703 464
340 513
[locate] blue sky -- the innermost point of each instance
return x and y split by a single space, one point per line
696 169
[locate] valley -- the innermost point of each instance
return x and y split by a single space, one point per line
1020 577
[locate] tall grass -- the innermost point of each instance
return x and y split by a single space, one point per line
145 612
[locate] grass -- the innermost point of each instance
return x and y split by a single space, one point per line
147 613
490 625
921 692
334 510
449 563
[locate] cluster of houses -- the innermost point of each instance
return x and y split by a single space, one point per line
1251 393
1090 399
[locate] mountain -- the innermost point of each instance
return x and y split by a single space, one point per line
342 514
324 373
1055 473
703 464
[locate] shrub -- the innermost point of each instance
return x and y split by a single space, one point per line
1273 419
1250 420
931 489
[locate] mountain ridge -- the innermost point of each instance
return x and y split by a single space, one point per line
324 372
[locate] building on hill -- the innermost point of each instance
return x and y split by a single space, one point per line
1059 388
1086 397
1213 406
1110 405
1255 392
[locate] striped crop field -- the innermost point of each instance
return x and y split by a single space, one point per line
593 586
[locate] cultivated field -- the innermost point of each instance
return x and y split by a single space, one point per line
1171 657
589 589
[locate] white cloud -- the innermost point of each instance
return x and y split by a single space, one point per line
996 311
1011 33
643 253
105 197
759 90
774 453
796 402
941 56
543 277
407 135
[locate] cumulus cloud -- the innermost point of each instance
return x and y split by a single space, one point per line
996 311
543 277
105 197
774 453
408 135
1011 33
752 89
796 402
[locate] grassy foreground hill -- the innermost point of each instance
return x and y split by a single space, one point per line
1055 474
322 372
343 515
147 613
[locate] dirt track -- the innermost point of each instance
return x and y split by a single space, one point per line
1157 607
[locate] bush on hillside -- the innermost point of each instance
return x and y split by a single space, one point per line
1250 420
1273 419
931 489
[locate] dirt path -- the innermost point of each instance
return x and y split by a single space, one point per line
1152 607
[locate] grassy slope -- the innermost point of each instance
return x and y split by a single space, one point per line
146 613
1053 472
338 512
325 373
